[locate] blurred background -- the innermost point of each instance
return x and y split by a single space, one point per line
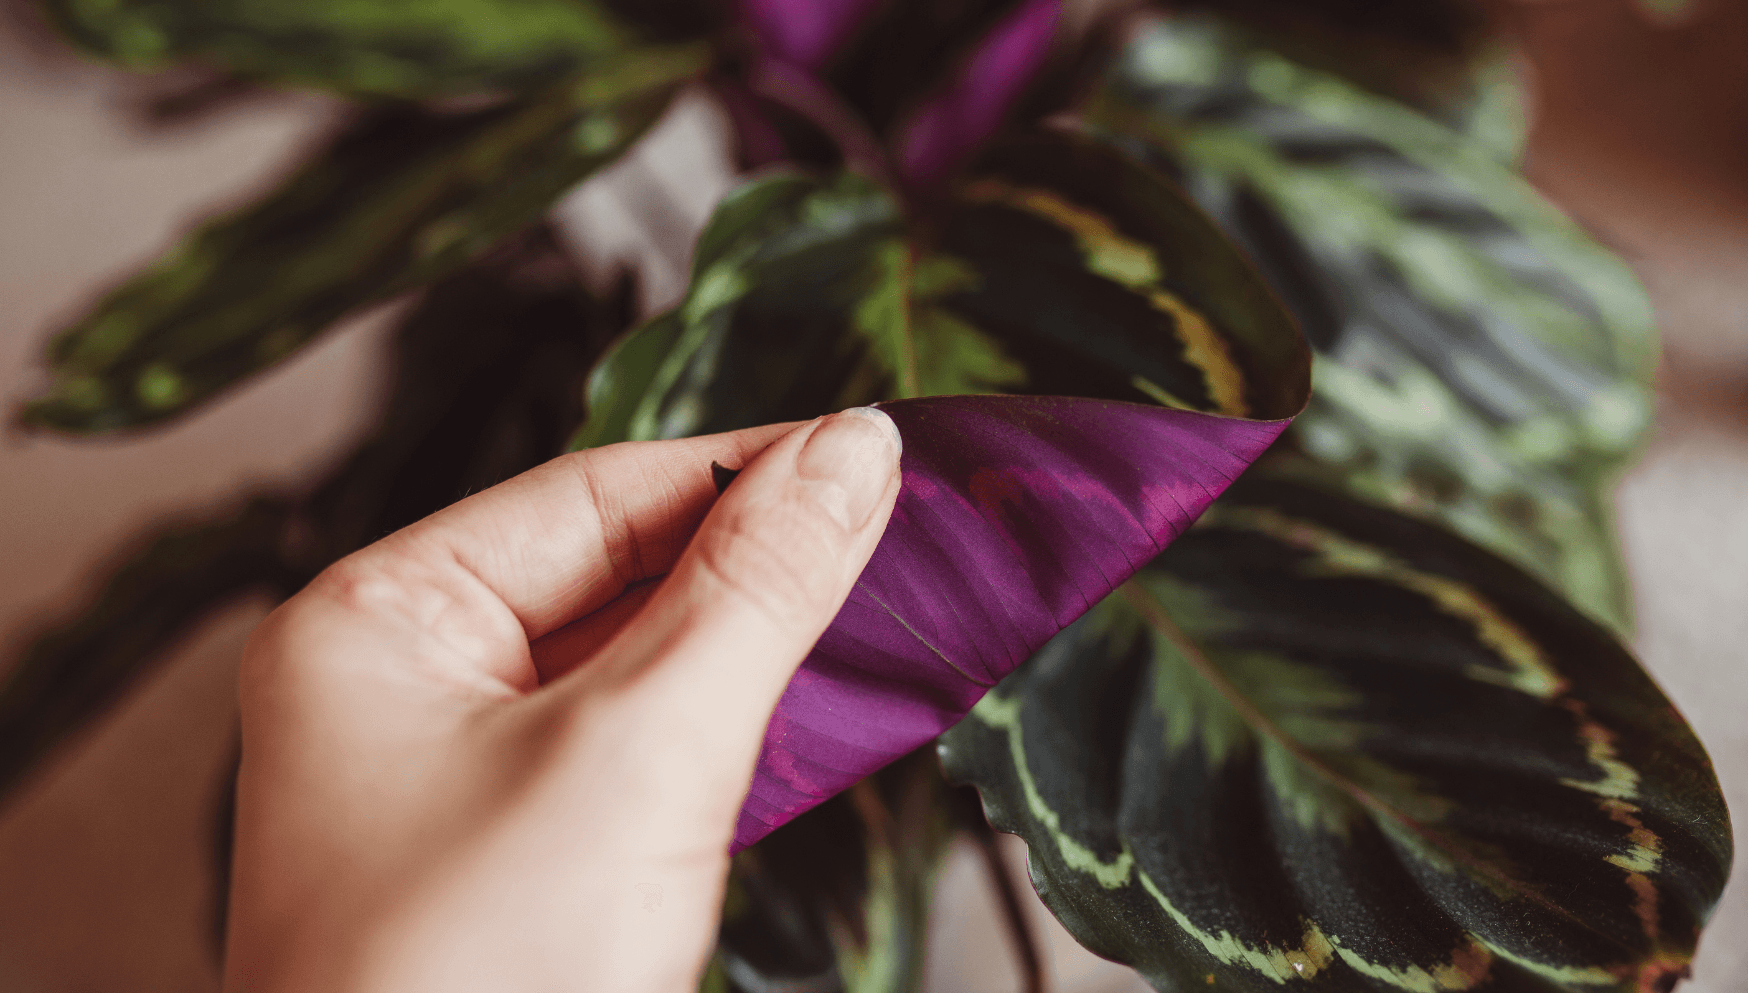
1639 129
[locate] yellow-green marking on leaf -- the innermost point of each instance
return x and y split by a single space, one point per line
1134 265
1279 964
1004 715
1468 966
1529 670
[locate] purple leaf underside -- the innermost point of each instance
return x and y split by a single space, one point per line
1017 514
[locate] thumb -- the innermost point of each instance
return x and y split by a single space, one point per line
709 655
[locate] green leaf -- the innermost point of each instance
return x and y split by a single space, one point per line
775 323
404 197
407 49
1062 267
84 664
838 899
1103 280
488 367
1479 359
1318 744
1420 53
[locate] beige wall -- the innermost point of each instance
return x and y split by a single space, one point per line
102 884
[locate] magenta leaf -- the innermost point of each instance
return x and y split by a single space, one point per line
948 130
1017 515
804 32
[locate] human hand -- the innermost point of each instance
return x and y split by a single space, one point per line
488 753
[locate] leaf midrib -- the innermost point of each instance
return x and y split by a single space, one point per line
1155 614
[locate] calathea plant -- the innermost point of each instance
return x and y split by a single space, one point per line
1367 722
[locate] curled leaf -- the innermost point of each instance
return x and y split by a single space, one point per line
1016 515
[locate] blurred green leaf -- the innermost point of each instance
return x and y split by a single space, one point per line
178 576
1669 11
1479 359
489 365
405 196
930 37
1320 744
1421 53
403 49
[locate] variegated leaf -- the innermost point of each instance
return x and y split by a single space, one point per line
787 279
934 36
1062 266
1479 359
1320 745
404 197
366 48
487 368
179 575
1103 280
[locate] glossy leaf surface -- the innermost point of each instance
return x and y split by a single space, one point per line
1016 515
1318 744
404 197
366 47
1479 359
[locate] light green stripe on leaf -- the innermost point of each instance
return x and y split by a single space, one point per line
1004 715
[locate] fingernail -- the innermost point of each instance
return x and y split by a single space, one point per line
851 456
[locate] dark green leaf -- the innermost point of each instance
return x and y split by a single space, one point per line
489 369
1320 744
1103 280
409 50
1479 360
182 574
785 278
838 899
404 197
1420 52
1063 267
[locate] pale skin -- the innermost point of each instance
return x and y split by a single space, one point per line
474 750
